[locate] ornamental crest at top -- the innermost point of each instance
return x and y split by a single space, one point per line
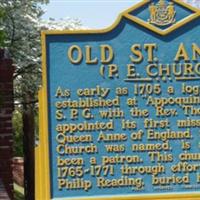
162 14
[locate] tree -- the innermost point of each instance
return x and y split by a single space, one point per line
2 35
22 26
62 24
22 41
18 136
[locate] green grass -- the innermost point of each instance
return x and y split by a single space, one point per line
18 192
18 196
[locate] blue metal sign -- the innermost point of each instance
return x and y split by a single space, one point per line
122 106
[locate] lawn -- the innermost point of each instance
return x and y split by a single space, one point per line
19 192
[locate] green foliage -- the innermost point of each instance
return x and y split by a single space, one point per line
2 33
2 38
18 196
22 26
18 133
18 130
23 42
18 192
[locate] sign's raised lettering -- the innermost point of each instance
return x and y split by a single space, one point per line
120 108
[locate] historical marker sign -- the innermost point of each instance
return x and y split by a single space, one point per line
120 107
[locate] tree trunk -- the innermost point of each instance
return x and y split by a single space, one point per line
29 144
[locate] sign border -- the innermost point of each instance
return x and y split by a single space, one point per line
42 161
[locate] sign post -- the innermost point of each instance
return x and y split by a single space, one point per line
119 108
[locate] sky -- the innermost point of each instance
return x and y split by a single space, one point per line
92 13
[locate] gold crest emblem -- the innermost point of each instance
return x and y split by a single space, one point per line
162 14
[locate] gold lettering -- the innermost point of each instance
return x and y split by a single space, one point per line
136 50
181 53
150 48
89 60
195 52
107 54
72 50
